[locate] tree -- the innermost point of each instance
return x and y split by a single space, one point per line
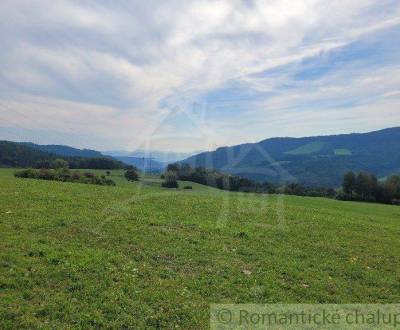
294 189
366 185
349 182
170 180
392 185
173 168
59 164
132 174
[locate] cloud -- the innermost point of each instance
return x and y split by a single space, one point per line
120 70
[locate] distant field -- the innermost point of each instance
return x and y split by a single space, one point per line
307 149
342 152
85 256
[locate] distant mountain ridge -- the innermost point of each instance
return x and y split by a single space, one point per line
156 155
143 164
314 161
151 161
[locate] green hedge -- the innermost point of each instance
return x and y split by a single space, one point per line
64 175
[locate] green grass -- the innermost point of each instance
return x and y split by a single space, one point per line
342 152
307 149
84 256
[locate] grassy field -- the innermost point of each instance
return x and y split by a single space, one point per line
85 256
342 152
307 149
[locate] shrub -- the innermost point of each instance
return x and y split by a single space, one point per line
63 175
59 163
46 174
132 174
342 196
109 182
43 164
187 187
170 184
29 173
76 176
294 189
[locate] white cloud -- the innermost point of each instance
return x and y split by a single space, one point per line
116 67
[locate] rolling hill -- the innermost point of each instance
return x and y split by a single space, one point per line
62 150
313 161
25 154
14 154
135 255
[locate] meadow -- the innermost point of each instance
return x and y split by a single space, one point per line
137 255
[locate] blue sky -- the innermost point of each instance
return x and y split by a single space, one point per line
195 75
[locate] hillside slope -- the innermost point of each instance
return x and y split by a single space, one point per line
63 150
139 256
317 161
14 154
20 155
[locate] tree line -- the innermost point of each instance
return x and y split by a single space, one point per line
212 178
97 163
217 179
363 186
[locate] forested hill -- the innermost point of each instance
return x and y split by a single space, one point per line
62 150
314 161
14 154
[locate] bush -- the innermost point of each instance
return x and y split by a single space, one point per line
43 164
187 187
294 189
132 174
89 175
29 173
170 184
63 175
342 196
47 174
76 176
59 163
109 182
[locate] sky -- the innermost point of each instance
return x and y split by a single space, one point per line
194 75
